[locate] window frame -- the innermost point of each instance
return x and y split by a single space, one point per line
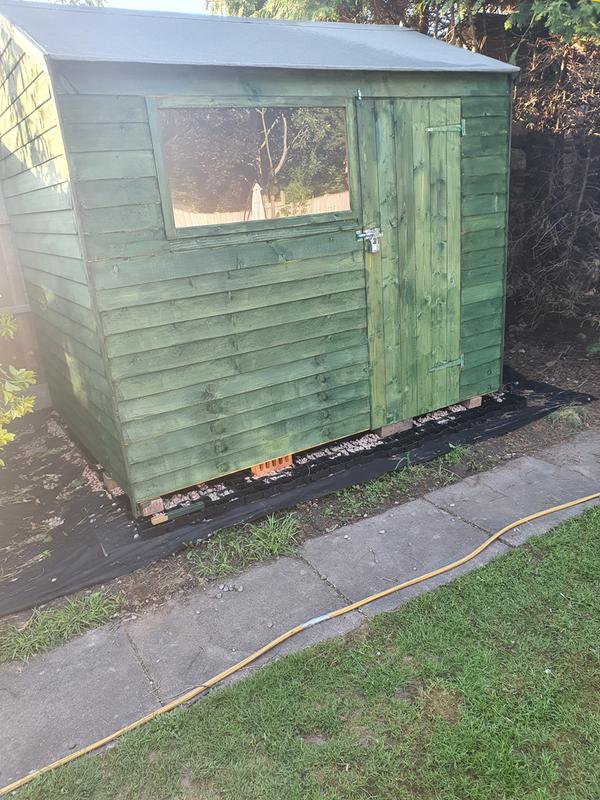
154 104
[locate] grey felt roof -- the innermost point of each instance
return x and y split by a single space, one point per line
76 33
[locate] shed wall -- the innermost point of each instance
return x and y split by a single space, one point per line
220 355
39 204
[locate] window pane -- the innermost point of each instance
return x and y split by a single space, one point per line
238 164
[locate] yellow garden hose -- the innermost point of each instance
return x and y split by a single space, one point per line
190 695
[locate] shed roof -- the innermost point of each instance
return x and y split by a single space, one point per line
76 33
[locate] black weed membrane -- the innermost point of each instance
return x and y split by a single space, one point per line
60 531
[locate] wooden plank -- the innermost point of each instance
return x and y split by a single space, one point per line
228 280
161 264
407 259
292 442
477 325
46 222
225 446
486 291
483 204
165 380
50 173
68 328
482 240
28 129
365 114
195 352
100 109
453 300
75 292
313 308
475 358
84 137
137 318
51 198
494 256
441 349
422 226
475 277
235 424
481 341
55 243
239 385
483 184
115 164
71 268
485 308
385 126
484 222
486 127
130 218
480 106
117 192
485 146
45 147
479 374
213 410
19 97
483 165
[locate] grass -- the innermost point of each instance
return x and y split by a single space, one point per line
574 417
235 548
48 628
484 689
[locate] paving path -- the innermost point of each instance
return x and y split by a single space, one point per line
73 695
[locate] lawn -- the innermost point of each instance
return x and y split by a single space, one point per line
487 688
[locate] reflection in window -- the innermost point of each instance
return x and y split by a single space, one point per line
237 164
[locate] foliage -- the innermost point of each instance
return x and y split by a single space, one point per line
561 18
13 382
483 689
48 628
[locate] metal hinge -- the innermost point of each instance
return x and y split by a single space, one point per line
458 362
457 126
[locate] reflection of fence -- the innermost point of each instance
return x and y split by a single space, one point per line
337 201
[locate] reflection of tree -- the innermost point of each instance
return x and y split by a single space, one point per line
215 156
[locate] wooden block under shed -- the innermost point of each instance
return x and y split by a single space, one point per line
393 428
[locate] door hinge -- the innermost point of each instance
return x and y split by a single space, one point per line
457 126
458 362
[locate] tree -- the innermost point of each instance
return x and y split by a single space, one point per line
13 382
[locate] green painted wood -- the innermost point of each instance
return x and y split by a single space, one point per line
475 277
57 244
454 274
486 127
484 165
481 341
473 326
486 291
261 299
115 164
50 283
387 200
130 218
235 424
481 106
50 173
483 222
108 192
110 108
482 372
55 222
483 204
67 308
228 446
197 352
407 266
219 410
485 308
487 146
50 198
228 280
14 97
166 380
238 385
369 180
70 268
84 137
492 257
482 240
475 358
312 308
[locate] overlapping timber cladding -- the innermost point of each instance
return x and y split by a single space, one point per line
242 239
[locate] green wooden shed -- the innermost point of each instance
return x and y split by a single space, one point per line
245 238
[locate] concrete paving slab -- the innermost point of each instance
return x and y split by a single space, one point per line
376 553
182 645
526 485
580 454
70 697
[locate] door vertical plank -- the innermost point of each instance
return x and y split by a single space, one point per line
422 229
365 115
453 200
439 253
388 205
406 251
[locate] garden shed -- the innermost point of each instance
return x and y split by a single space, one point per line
245 238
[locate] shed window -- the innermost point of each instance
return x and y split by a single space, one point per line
238 164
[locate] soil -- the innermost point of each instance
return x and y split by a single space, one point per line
558 359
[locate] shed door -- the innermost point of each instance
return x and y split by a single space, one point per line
410 185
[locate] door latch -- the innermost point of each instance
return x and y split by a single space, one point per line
371 236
